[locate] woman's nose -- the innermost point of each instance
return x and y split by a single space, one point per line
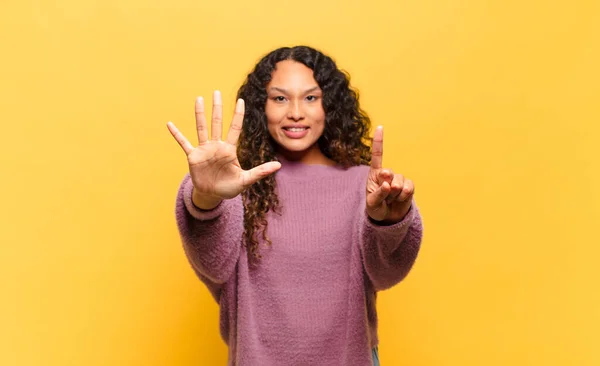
295 111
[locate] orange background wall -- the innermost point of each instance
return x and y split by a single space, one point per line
491 107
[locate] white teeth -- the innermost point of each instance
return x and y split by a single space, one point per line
296 129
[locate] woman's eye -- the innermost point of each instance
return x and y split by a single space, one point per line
279 99
311 98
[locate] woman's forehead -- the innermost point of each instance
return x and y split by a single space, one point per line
291 73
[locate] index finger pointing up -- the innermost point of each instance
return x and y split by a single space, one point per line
236 125
377 148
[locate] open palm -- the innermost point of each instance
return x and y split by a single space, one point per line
213 164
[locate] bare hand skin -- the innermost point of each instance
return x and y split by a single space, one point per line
389 195
213 164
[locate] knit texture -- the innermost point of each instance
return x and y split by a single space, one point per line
311 298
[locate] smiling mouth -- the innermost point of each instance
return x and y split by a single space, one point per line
295 129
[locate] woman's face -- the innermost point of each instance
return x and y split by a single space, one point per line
294 110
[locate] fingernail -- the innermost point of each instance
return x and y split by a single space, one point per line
217 97
239 105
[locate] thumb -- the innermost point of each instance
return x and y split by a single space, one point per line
375 199
249 177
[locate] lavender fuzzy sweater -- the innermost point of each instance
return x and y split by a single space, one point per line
311 298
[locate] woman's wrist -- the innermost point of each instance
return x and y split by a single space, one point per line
205 202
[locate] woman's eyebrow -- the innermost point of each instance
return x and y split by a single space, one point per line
284 91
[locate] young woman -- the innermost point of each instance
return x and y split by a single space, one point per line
292 222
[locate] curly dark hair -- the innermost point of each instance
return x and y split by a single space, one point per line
344 138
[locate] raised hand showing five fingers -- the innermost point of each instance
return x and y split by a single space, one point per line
214 167
389 195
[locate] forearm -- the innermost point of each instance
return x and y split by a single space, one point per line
389 252
212 239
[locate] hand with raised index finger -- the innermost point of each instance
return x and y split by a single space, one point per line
389 195
213 164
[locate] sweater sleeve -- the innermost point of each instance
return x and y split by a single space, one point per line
389 252
212 239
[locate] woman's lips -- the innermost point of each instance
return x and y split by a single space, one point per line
295 132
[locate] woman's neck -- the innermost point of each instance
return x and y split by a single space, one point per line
311 156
